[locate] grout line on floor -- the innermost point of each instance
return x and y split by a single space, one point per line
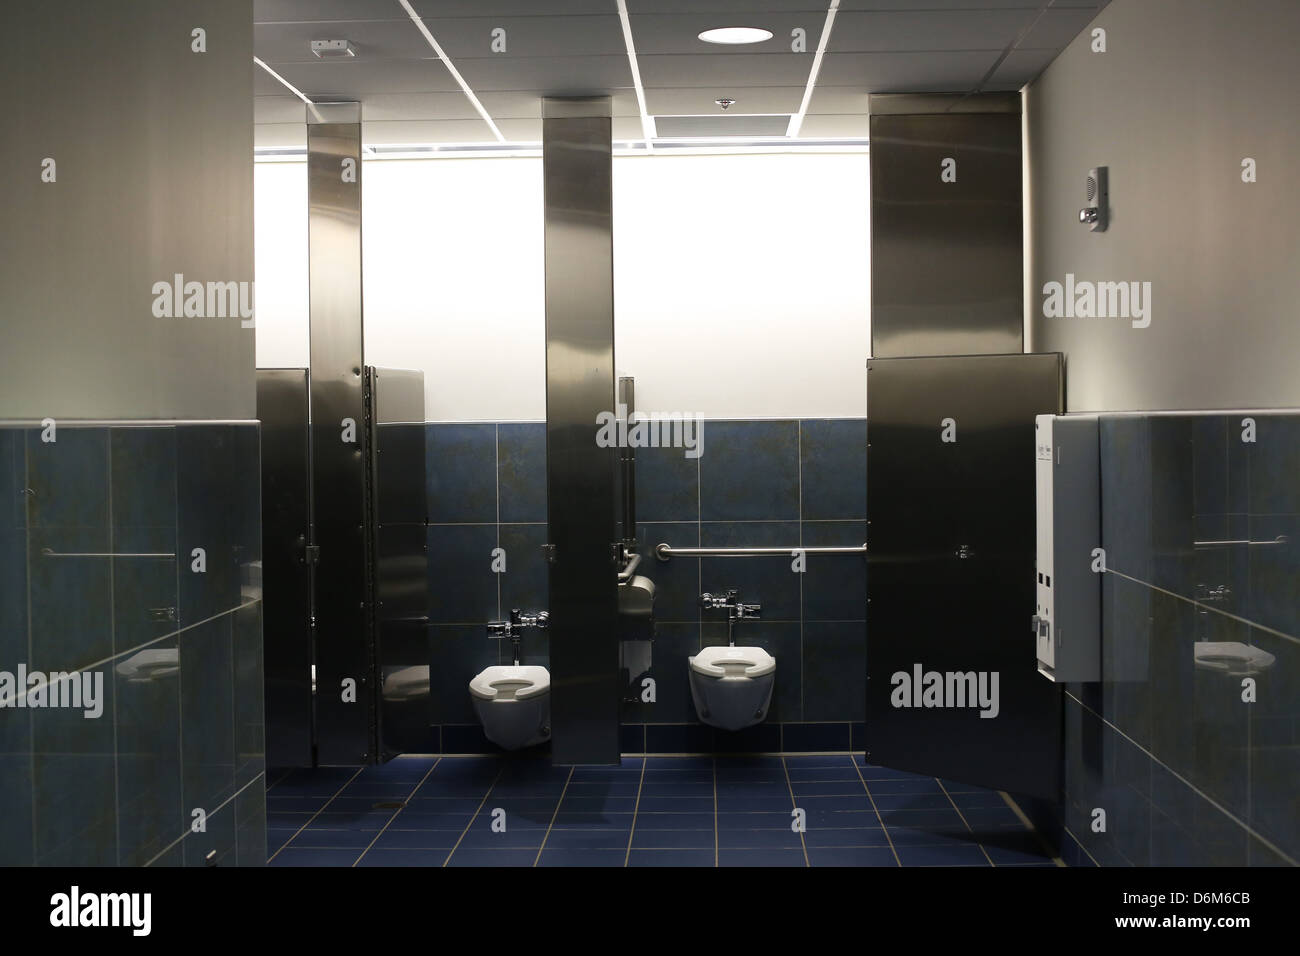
965 822
316 814
1029 825
482 803
546 836
883 829
389 821
636 807
795 804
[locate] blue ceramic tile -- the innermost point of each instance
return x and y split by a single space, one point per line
677 580
75 825
145 596
16 840
581 857
457 654
150 811
671 650
462 585
399 856
941 856
1274 464
466 738
207 716
71 616
759 738
68 478
250 825
833 461
834 673
460 467
1006 849
588 838
1126 494
524 583
667 485
421 839
852 856
834 585
209 507
631 738
521 450
143 462
304 856
766 856
13 598
1273 573
503 857
750 471
323 838
673 858
767 580
13 478
678 738
250 737
802 737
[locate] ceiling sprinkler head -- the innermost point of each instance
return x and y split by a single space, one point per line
725 102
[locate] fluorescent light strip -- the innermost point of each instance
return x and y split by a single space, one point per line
647 121
290 87
796 121
451 67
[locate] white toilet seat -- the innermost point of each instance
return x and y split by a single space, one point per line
508 682
733 662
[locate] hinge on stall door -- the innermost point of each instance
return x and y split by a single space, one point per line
549 551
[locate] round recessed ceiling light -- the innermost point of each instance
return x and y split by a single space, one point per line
736 35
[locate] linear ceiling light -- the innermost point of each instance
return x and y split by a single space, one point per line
290 87
796 121
451 67
647 121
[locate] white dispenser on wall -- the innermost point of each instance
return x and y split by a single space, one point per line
1067 620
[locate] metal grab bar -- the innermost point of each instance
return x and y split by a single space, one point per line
664 551
105 554
1241 542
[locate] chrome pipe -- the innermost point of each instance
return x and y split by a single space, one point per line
664 551
627 572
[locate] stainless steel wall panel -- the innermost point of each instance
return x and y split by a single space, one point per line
947 257
582 499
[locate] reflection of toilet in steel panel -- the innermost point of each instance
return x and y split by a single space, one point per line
1231 657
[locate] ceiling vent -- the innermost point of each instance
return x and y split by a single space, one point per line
332 49
724 124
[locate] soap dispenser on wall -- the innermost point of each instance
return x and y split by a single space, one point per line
1097 213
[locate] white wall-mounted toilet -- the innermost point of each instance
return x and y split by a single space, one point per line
513 702
732 686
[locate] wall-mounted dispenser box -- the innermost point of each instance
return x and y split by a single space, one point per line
1067 621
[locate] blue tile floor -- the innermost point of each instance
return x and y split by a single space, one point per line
650 811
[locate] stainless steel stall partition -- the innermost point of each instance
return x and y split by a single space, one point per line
952 682
345 693
581 476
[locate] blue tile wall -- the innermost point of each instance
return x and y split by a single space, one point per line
97 533
1188 772
780 482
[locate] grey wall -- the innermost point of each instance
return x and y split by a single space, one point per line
1185 91
153 145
